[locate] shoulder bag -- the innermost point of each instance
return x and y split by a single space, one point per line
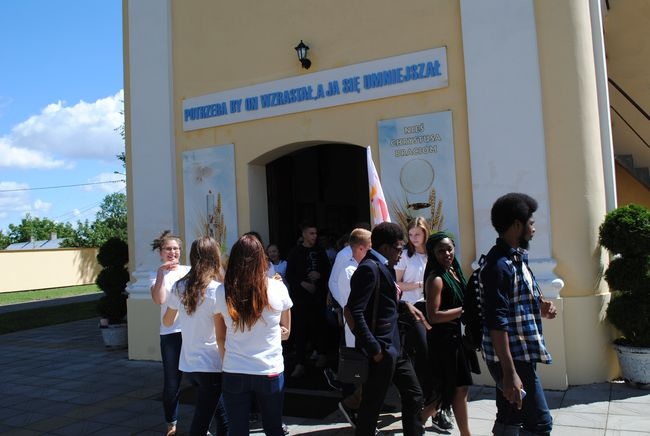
353 363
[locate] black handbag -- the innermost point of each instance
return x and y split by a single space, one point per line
353 363
353 366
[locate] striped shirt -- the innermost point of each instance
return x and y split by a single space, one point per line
510 300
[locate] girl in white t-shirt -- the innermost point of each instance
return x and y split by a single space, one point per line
170 270
409 271
409 274
192 303
254 319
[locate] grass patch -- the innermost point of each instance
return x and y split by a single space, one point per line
44 316
46 294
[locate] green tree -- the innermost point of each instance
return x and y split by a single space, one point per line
39 229
122 158
111 218
84 236
4 240
110 222
122 131
113 209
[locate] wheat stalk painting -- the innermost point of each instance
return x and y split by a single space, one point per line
405 213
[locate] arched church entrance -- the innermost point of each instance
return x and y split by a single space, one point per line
326 184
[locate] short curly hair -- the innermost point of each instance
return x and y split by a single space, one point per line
386 233
512 207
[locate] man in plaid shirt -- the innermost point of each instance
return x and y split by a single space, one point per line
513 308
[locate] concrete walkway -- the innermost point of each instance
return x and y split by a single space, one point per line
61 380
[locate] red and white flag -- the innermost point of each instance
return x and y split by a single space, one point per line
378 207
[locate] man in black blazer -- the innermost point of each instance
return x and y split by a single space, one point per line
378 335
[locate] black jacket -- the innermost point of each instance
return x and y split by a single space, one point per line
386 336
300 262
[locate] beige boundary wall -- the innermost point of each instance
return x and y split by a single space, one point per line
41 269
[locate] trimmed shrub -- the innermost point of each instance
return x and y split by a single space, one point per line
114 252
112 279
625 232
629 274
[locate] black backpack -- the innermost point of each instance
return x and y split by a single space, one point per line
472 314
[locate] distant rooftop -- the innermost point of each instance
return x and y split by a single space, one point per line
48 244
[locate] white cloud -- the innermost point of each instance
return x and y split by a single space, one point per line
16 157
7 186
16 201
63 133
106 185
41 206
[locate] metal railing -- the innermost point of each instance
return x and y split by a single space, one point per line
636 106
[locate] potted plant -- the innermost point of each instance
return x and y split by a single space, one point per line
112 279
625 232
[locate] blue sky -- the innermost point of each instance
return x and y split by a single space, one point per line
61 92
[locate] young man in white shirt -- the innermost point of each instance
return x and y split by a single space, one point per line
359 244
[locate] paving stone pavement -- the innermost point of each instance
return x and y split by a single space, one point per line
61 380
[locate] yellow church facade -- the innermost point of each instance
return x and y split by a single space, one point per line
456 101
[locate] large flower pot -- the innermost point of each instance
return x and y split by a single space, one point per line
114 335
635 364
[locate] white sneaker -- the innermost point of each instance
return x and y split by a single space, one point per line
298 371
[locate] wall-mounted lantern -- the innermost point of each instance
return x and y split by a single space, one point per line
301 49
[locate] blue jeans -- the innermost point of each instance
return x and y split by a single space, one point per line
208 403
239 391
170 350
534 418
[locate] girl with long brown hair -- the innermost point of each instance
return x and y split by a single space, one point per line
254 319
409 271
193 302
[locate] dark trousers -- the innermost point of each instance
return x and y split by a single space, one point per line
380 375
208 403
240 390
534 417
170 350
416 346
308 324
